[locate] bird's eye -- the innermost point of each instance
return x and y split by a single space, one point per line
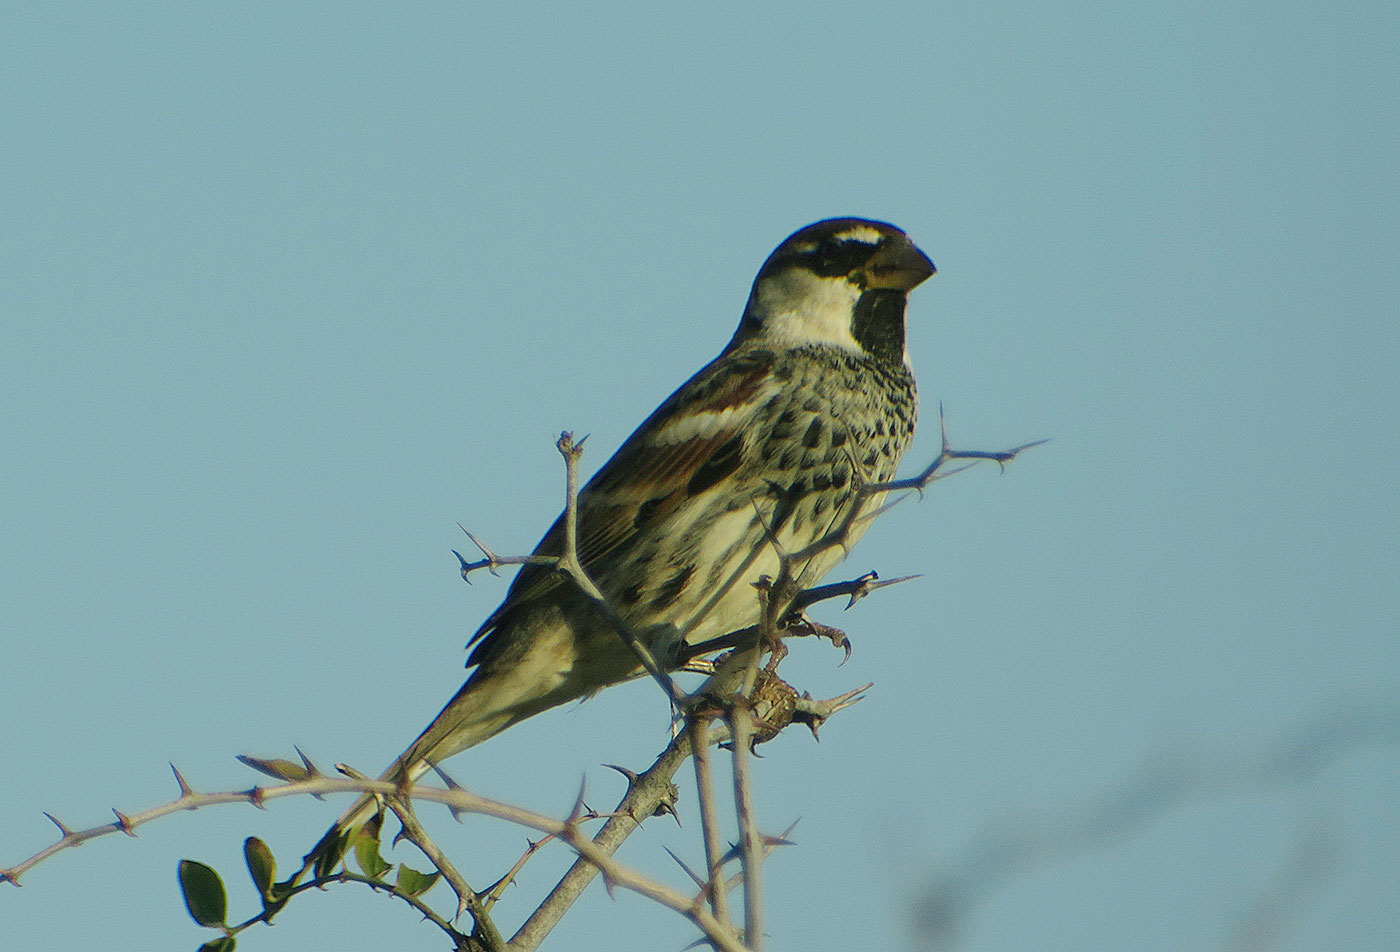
837 258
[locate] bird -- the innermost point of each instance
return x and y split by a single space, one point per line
764 450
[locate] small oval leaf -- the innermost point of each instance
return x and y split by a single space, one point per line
276 767
204 893
262 866
413 883
224 943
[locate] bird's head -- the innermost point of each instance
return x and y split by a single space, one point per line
842 282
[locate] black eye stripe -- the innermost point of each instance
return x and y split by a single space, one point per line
830 258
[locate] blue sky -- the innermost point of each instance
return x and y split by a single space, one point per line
289 290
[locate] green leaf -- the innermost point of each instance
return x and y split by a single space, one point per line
224 943
413 883
262 866
366 845
204 893
281 769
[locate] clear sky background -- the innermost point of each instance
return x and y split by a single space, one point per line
289 289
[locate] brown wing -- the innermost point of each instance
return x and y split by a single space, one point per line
692 441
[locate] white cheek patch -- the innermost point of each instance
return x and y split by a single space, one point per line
798 307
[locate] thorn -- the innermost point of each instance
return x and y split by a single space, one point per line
491 561
59 823
953 472
768 532
123 822
466 568
311 768
451 785
9 876
688 871
631 776
862 588
256 796
350 772
185 789
577 812
447 781
312 771
1017 450
872 516
791 826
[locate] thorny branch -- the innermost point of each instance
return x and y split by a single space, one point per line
731 693
699 726
783 613
462 940
467 898
750 841
932 473
650 794
571 566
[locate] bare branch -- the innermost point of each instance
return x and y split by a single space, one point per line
856 589
492 561
467 898
947 455
570 566
461 940
644 796
750 842
699 726
738 680
841 534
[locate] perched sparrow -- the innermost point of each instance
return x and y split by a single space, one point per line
812 398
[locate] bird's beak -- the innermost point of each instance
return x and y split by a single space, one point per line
898 264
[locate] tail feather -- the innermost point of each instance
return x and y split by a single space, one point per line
485 706
329 850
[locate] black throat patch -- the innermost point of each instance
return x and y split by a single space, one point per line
878 323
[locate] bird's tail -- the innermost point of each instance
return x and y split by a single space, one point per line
486 705
332 847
